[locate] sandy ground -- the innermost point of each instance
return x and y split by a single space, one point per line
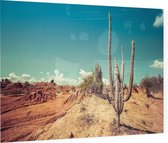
59 117
95 117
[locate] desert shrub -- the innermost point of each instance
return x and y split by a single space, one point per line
52 81
87 82
135 86
94 81
98 87
5 82
26 84
19 84
87 120
154 84
3 85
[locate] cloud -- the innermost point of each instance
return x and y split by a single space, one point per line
84 74
157 64
13 77
61 80
84 36
25 77
58 78
158 21
22 78
47 73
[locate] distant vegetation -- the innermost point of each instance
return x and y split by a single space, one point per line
13 88
152 84
87 82
93 82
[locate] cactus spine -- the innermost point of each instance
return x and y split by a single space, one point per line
117 98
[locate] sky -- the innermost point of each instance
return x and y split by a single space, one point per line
42 41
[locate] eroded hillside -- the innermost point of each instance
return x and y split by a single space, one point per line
51 111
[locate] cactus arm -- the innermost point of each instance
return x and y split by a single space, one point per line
122 82
116 95
131 73
118 100
122 66
119 89
121 103
109 56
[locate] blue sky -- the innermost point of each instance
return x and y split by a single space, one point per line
61 41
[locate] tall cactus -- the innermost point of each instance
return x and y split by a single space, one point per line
109 57
117 97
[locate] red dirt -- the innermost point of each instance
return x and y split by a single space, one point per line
40 105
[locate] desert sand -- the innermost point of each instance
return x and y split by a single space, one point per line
44 111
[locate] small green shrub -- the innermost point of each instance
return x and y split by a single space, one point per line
87 82
94 81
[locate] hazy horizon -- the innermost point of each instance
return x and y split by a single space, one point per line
42 41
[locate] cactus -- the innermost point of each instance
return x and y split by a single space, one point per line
109 57
117 98
98 83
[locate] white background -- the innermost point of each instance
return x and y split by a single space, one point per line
152 138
